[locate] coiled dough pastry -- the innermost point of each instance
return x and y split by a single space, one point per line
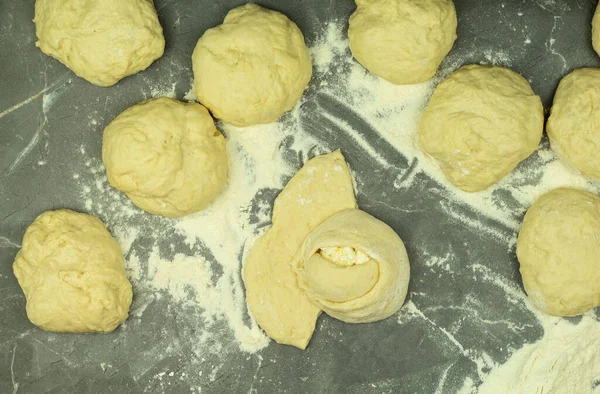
354 267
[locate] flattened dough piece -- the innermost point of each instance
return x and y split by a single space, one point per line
320 189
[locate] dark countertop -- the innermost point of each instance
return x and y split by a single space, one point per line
47 114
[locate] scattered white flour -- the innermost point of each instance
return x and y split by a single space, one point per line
223 229
187 280
191 94
394 111
330 45
164 92
225 226
480 359
203 275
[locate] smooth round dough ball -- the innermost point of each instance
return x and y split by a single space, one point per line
166 155
73 274
101 41
252 68
574 123
402 41
559 252
596 30
353 267
480 123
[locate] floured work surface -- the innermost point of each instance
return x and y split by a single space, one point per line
189 330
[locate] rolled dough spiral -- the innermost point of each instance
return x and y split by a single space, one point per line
353 267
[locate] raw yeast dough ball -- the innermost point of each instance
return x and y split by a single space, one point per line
167 156
101 41
596 30
252 68
402 41
73 274
559 252
574 123
480 123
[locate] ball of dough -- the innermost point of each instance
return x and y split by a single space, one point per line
480 123
354 268
252 68
596 30
402 41
73 274
101 41
574 123
167 156
559 252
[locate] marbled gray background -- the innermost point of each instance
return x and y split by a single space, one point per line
37 149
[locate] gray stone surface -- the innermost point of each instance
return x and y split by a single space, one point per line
464 315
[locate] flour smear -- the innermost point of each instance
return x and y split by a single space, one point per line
566 360
196 261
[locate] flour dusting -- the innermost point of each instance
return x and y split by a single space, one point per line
193 264
565 360
394 112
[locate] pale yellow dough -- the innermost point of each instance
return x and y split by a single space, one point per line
373 286
559 252
320 189
402 41
101 41
596 30
480 123
252 68
166 155
574 123
72 273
